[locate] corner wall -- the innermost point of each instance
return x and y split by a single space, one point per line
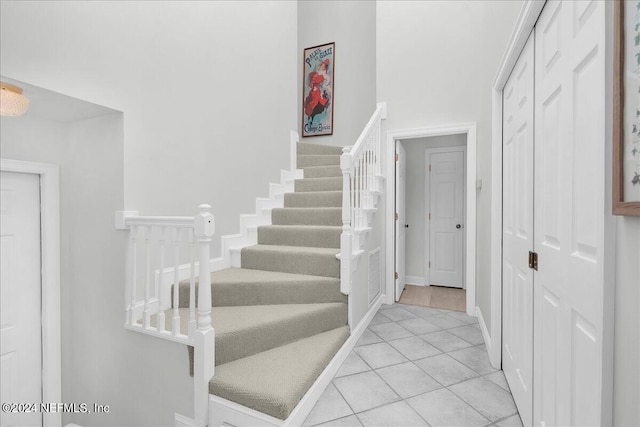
351 24
208 102
626 368
435 65
102 363
208 91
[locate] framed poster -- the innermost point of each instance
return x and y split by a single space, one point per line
626 108
317 91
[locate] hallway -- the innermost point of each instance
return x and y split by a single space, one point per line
417 366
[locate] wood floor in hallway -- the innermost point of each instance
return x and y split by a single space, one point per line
435 297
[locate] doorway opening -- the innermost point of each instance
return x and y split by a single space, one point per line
450 233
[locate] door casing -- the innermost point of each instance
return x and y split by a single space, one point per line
470 218
401 211
50 256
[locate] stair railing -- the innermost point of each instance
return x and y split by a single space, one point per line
162 252
361 172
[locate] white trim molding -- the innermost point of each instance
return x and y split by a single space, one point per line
50 252
470 220
526 21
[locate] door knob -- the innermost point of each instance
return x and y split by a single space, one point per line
458 226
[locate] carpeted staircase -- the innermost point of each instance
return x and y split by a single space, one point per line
281 318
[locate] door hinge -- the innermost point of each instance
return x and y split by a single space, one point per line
396 275
533 260
397 157
429 216
429 264
429 168
397 217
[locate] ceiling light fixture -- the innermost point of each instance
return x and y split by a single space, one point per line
12 101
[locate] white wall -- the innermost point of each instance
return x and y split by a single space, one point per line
351 25
208 102
208 91
416 239
435 64
626 378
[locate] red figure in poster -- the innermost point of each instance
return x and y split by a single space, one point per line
318 98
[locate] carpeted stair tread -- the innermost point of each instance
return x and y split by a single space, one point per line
307 160
292 259
308 148
313 199
306 216
242 331
242 286
274 381
322 171
316 236
318 184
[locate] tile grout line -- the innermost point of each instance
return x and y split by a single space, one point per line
413 363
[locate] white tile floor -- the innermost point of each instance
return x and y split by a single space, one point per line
417 366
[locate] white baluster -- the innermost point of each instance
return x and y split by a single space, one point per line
370 173
352 196
204 335
147 278
378 159
372 170
204 229
134 280
192 284
160 283
345 238
176 283
365 160
360 185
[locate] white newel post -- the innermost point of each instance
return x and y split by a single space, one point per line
345 238
204 338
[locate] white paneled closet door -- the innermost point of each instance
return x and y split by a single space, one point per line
517 277
569 213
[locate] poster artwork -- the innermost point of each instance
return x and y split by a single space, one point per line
317 98
631 151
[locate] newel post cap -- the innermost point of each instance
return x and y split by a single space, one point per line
204 222
345 159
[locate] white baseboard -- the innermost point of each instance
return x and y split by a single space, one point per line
223 412
415 280
487 339
182 421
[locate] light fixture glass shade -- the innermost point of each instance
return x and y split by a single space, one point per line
12 101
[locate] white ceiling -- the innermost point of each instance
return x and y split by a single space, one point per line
49 105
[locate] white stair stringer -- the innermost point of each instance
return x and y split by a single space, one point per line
232 244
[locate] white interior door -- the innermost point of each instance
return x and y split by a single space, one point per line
517 231
401 208
20 298
569 222
446 214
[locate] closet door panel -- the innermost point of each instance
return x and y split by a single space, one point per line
569 217
518 126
